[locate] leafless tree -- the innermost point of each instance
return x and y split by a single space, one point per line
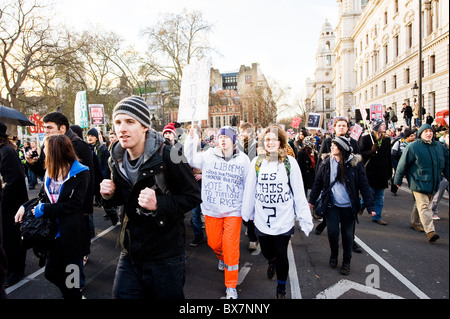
174 41
26 44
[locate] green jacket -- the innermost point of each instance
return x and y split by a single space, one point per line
423 164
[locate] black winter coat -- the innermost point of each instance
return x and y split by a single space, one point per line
306 167
160 236
69 212
355 183
12 177
379 164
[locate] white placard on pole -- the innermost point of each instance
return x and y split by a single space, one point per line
194 95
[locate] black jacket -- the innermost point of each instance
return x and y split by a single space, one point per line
355 183
12 177
160 236
379 164
306 167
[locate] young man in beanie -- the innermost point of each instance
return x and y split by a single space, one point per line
224 171
155 193
376 152
423 162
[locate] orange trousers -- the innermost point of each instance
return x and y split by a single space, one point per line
223 237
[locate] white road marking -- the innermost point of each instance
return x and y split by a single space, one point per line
392 270
344 285
293 277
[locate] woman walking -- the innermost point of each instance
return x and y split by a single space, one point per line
66 184
274 198
347 172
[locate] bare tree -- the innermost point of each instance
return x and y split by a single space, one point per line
174 41
25 46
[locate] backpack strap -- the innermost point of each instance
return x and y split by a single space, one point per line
287 166
160 179
258 165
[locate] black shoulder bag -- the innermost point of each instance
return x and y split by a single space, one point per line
323 201
37 233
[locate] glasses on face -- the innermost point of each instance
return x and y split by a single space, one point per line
273 140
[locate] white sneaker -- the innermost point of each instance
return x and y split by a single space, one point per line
221 265
436 217
232 293
252 245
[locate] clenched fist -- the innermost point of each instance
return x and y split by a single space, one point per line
107 188
147 199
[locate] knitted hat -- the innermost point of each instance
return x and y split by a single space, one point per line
228 131
407 133
344 142
309 141
135 107
170 128
3 130
376 123
93 131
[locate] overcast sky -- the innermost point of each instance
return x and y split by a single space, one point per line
281 35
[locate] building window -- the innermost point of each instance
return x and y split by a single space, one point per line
327 104
385 52
328 57
385 18
409 36
248 79
407 76
432 64
396 46
394 82
395 6
384 86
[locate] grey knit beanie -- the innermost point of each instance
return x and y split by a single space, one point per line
135 107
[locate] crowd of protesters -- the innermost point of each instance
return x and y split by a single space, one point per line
264 178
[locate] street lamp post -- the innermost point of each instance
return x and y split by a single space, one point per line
420 63
323 106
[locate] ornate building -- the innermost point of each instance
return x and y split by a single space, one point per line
320 92
377 54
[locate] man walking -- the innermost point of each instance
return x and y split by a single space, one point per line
156 193
423 163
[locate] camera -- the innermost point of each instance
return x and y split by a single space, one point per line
34 154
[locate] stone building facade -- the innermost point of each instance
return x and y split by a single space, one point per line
379 39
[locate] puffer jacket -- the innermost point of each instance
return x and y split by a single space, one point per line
161 235
355 183
423 164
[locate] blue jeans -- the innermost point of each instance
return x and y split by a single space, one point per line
158 279
378 197
197 225
408 121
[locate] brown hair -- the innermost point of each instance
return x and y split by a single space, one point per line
282 138
59 155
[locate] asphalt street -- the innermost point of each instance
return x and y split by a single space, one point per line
397 262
